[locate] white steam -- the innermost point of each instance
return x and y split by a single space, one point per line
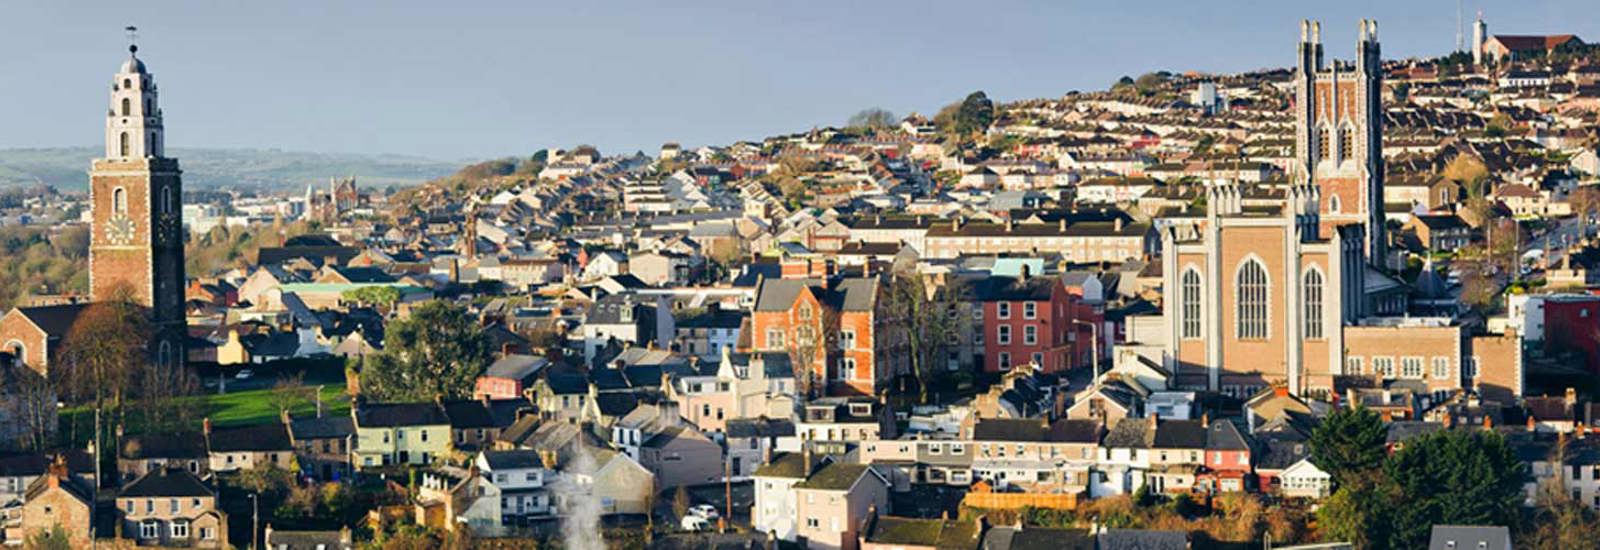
580 517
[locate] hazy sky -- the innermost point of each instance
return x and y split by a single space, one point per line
475 79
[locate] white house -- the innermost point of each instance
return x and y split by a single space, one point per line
1304 479
520 479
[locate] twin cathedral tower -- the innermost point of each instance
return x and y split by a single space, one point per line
136 197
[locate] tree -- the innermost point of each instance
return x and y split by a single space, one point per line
680 502
968 117
812 342
439 351
1560 521
102 355
1148 83
383 297
1356 513
32 410
1454 478
1584 201
925 317
56 538
290 392
871 119
1349 442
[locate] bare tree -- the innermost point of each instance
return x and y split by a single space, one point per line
925 316
814 338
31 409
1584 201
160 386
290 392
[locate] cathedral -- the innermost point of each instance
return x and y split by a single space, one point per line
1297 292
136 232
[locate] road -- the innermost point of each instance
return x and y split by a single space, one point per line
1562 233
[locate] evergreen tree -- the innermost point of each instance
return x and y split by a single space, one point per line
439 351
1453 478
1349 441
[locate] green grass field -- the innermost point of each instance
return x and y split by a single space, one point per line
242 408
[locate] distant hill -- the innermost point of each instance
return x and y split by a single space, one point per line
67 168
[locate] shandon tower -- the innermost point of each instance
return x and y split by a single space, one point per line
135 190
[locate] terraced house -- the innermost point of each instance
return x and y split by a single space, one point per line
400 433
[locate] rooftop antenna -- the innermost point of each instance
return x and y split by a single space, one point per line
133 38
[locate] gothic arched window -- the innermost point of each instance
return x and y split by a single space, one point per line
124 144
164 358
1251 300
127 106
166 200
1333 204
127 83
119 200
1190 303
1312 294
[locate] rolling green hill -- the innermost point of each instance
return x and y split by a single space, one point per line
67 168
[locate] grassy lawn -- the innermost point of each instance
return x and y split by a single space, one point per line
242 408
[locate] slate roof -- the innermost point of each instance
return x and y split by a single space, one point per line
167 482
517 366
616 404
1224 435
1180 434
475 413
1131 433
1076 430
1014 289
786 465
1008 429
327 427
1402 430
173 445
513 460
838 476
1469 537
1143 539
53 320
759 427
939 534
389 415
842 293
259 438
567 383
1037 538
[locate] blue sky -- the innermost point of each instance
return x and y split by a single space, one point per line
477 79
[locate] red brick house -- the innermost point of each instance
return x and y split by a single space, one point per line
1034 319
33 334
833 322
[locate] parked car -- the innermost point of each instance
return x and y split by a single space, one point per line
245 374
704 511
692 522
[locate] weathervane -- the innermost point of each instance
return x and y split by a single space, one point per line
133 38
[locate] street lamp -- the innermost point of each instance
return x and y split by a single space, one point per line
1094 332
255 519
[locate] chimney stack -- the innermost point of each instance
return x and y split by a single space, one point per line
805 458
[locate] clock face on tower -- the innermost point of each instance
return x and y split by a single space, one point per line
119 229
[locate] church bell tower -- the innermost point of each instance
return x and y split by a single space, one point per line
135 191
